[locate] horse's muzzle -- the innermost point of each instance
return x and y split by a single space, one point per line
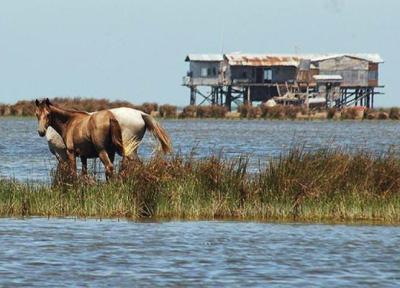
41 133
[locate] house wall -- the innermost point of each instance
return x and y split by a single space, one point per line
284 73
351 78
355 72
373 74
242 74
197 69
253 74
343 63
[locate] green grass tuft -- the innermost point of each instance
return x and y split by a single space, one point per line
325 185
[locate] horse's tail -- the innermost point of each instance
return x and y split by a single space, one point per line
158 132
116 136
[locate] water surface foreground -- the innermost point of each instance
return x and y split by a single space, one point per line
40 252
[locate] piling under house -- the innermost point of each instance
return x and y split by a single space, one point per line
339 79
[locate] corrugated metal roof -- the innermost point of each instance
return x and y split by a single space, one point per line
204 57
371 57
238 59
235 59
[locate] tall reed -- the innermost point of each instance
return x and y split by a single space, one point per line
300 185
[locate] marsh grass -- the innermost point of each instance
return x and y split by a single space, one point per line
324 185
279 112
168 111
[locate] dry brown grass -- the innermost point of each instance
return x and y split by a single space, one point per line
188 112
249 111
310 186
26 108
168 111
282 112
211 111
206 111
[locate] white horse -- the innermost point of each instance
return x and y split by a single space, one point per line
133 125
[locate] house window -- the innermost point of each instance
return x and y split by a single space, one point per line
372 75
204 72
267 74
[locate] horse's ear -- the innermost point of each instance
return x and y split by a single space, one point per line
37 102
48 102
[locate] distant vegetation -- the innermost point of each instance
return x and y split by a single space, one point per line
326 185
26 108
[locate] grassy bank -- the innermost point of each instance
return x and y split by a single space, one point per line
302 186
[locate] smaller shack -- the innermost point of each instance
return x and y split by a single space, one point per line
204 70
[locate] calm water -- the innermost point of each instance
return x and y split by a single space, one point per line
24 155
65 252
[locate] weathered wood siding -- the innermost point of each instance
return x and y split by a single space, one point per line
343 63
355 72
373 74
197 69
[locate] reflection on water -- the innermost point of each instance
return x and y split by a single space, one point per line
23 154
65 252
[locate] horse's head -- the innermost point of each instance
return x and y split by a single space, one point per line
43 115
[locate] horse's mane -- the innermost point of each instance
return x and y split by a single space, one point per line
71 110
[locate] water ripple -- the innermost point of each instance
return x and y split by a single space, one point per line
65 252
26 155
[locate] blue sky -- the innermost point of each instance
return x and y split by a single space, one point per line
135 50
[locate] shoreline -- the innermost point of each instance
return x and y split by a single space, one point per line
360 222
168 111
300 119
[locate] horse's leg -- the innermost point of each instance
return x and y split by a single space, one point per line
111 155
72 162
124 163
107 163
84 165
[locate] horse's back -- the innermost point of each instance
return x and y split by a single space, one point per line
97 125
130 120
132 126
128 117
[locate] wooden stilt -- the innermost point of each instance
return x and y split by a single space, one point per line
228 98
192 95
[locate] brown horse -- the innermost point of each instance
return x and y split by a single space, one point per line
85 135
